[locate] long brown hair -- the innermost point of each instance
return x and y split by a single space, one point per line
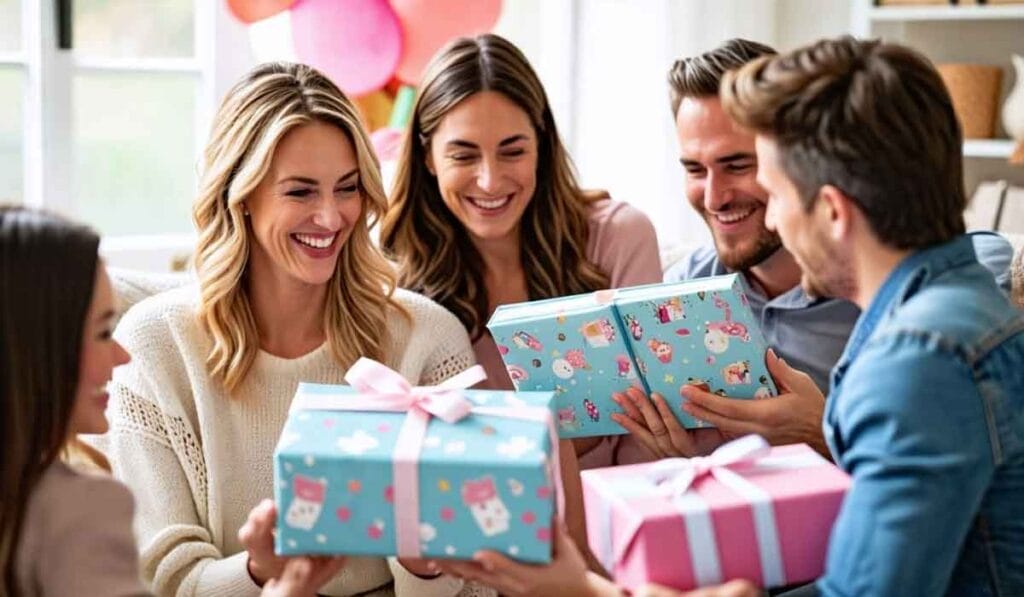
47 275
434 253
259 110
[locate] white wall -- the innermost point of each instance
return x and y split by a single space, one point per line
229 66
625 139
803 21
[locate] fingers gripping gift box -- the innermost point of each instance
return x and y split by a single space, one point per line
383 468
747 511
658 338
696 332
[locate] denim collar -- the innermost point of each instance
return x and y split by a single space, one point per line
903 282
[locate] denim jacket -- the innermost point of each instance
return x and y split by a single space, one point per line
926 413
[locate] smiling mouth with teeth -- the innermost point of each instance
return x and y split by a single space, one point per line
316 242
490 203
734 216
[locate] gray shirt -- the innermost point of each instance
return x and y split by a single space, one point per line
810 334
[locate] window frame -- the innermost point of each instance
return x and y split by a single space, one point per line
47 118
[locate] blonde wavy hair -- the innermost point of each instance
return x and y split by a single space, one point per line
431 247
259 110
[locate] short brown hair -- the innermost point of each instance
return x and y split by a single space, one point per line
701 75
872 119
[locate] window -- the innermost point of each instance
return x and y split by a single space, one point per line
12 85
109 130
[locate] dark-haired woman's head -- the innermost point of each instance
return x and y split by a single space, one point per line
56 352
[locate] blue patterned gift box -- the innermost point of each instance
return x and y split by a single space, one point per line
657 337
573 346
696 332
484 482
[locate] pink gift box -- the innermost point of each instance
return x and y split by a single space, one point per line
676 523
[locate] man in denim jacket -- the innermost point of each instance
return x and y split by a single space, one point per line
809 332
859 148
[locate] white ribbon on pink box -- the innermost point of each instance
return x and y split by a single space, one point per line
673 479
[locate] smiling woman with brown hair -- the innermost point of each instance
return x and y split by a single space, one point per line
486 209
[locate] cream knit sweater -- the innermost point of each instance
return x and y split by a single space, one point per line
198 462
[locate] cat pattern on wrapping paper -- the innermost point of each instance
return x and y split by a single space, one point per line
484 503
307 502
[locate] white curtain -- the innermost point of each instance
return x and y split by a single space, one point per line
604 64
624 134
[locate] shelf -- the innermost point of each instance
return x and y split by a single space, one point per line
988 148
947 13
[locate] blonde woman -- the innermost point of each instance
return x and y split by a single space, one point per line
289 289
486 209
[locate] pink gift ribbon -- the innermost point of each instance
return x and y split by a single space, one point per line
384 389
674 478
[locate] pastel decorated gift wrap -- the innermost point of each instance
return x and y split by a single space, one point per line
658 337
699 331
747 511
381 468
572 346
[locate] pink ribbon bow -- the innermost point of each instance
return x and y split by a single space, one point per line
383 388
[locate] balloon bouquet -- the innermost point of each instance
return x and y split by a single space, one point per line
374 50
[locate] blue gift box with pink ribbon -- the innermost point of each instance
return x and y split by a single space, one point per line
382 468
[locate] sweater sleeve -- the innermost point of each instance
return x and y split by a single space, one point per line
89 549
449 351
154 449
178 555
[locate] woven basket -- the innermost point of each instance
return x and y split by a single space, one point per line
974 89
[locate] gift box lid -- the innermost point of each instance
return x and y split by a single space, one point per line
650 291
371 435
527 311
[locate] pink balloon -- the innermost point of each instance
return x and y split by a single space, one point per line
430 24
386 143
357 43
